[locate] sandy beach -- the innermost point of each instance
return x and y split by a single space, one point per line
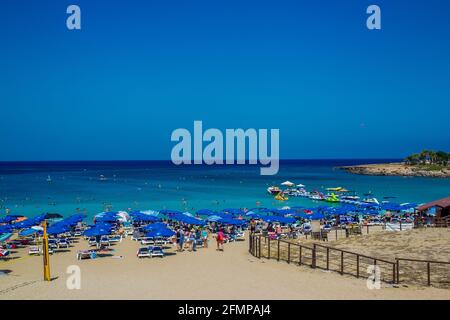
205 274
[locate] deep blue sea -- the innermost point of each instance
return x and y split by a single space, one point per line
143 185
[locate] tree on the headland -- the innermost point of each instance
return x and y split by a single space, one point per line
428 157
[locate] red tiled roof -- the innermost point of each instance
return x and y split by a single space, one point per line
443 203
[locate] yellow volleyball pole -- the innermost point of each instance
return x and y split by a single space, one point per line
46 255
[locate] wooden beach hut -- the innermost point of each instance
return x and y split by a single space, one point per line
442 206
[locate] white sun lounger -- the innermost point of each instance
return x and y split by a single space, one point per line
34 250
143 252
156 251
145 241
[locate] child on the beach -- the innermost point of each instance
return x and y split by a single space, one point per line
205 237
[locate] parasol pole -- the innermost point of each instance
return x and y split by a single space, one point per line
46 255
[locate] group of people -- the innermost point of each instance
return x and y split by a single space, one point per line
191 237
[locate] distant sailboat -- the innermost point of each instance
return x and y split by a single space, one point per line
49 179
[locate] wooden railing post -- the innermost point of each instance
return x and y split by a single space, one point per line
259 247
278 256
428 274
268 248
393 273
299 255
398 271
342 262
313 262
289 253
328 258
357 265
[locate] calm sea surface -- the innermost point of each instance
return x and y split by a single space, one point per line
76 186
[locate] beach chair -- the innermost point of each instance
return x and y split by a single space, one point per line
156 251
143 252
145 241
116 238
63 243
240 235
92 242
4 253
86 254
34 250
104 241
199 243
161 241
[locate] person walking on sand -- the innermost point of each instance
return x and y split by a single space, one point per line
178 237
193 240
252 226
205 237
181 240
220 238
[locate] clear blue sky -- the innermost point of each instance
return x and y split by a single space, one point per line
139 69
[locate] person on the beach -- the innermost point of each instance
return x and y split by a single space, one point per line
181 240
193 240
220 237
278 230
178 239
205 237
252 226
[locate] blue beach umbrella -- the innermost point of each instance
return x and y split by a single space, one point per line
146 218
5 229
316 216
5 236
97 231
29 232
157 225
214 218
232 222
170 212
205 212
10 218
160 232
53 230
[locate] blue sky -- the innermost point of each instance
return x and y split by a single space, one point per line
139 69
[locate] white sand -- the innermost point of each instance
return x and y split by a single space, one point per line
206 274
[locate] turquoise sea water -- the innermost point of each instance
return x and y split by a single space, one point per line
143 185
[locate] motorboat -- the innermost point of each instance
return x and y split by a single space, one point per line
280 197
332 198
371 200
273 190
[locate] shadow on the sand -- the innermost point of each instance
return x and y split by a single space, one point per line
5 272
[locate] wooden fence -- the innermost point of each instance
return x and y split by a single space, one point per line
350 263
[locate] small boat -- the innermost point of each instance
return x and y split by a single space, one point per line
316 196
102 178
273 190
371 200
351 198
280 197
332 198
49 179
335 189
288 184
